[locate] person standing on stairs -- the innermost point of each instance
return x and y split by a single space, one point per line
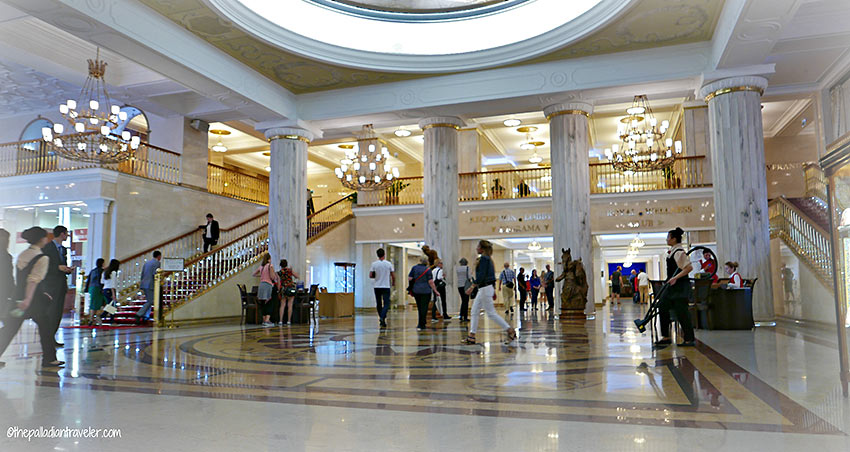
211 233
147 285
95 290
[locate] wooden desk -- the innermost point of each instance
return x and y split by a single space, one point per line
335 304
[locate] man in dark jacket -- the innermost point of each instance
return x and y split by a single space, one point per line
211 232
7 278
56 280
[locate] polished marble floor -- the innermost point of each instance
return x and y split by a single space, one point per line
348 385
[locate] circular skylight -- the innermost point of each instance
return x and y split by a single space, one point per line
417 36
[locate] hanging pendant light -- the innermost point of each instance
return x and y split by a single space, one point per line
92 118
364 166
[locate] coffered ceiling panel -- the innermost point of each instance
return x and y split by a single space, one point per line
650 23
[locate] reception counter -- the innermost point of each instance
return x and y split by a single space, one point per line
727 309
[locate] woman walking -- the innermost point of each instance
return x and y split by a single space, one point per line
421 287
288 290
34 302
268 281
94 287
534 281
463 277
440 284
108 283
485 282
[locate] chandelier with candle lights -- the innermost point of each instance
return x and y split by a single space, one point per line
642 144
92 118
366 166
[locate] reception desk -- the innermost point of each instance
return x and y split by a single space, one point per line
727 309
335 304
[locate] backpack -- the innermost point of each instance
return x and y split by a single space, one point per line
21 280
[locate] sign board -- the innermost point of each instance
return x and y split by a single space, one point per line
81 235
172 264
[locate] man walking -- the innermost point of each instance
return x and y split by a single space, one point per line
507 283
549 285
147 285
383 276
56 280
643 286
211 232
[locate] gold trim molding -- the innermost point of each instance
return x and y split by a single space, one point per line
567 112
440 124
289 137
733 89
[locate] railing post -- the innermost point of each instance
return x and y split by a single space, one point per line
157 298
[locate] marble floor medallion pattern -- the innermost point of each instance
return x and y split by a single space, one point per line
600 371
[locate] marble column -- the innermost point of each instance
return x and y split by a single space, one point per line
740 182
195 156
99 231
287 197
441 196
569 148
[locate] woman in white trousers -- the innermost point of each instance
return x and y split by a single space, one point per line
485 281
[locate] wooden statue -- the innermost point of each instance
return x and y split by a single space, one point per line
574 290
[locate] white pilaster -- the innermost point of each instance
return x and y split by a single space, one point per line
440 187
99 236
569 150
287 199
740 181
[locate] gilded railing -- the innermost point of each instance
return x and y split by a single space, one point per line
686 172
808 241
234 184
187 246
321 221
815 182
205 271
35 156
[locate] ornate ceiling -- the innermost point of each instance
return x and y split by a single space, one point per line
418 6
650 23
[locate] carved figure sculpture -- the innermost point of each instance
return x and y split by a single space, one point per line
574 290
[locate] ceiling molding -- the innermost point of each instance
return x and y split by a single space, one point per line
788 115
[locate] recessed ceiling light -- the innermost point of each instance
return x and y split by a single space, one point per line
50 210
268 169
267 154
526 129
511 122
346 146
402 133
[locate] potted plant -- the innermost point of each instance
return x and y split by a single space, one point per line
393 191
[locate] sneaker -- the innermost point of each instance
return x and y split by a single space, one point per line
687 344
55 363
448 317
268 324
288 323
420 328
434 320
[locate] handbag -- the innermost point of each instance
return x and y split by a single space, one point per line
413 281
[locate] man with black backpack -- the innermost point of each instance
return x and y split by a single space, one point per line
35 299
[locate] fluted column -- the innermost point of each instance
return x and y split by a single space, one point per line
740 182
98 226
287 197
569 148
441 205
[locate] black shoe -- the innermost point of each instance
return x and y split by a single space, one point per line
448 317
59 345
687 344
662 342
506 311
383 323
512 309
55 363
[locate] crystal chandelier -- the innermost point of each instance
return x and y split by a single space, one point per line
642 145
92 117
366 166
534 246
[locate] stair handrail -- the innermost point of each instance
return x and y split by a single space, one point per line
186 245
806 239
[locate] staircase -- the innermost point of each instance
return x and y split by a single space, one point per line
203 271
814 209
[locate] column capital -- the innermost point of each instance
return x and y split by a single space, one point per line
568 108
731 85
289 133
100 205
441 121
